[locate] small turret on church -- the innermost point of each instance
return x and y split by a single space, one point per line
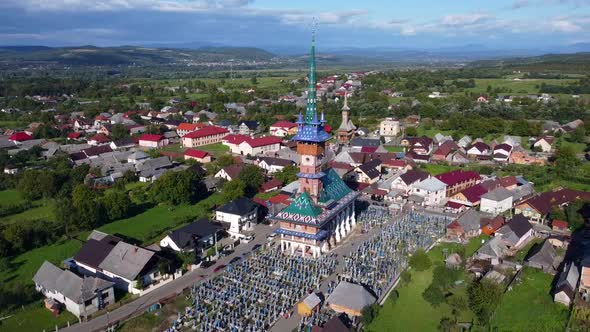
347 128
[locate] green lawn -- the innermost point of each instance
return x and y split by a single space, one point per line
523 86
392 148
529 306
577 147
10 196
436 169
268 195
36 318
522 253
24 266
42 212
432 131
563 183
411 312
215 149
149 225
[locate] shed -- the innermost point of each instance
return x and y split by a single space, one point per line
308 305
350 299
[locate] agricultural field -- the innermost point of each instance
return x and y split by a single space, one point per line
529 306
42 210
517 85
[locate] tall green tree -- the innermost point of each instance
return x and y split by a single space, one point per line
483 299
252 177
119 131
287 174
90 210
233 189
117 204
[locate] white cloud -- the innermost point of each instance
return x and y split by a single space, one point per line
564 25
464 19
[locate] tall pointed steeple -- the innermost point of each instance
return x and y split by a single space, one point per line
311 108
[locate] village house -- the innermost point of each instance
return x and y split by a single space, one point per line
489 226
81 296
445 151
544 257
369 172
420 145
403 182
204 136
538 207
565 287
283 128
584 287
248 127
258 146
131 268
241 214
493 250
19 137
152 141
99 139
516 232
272 165
466 226
123 144
429 192
469 197
459 180
478 149
270 185
201 156
502 152
464 142
185 128
496 201
544 144
229 173
196 236
389 127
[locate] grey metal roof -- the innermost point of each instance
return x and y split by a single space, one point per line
498 194
68 284
240 206
351 296
126 260
493 248
469 220
312 300
569 276
545 255
431 184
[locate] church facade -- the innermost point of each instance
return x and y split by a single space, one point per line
321 214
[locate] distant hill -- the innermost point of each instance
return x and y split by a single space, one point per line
575 62
126 55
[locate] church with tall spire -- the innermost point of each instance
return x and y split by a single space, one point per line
346 130
321 214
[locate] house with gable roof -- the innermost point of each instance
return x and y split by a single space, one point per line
81 296
564 291
241 214
466 226
429 192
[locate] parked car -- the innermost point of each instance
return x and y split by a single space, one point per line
235 259
256 247
219 268
247 239
271 236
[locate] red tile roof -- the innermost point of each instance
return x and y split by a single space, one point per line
454 205
457 176
546 201
490 226
100 138
473 193
196 153
235 138
369 149
271 184
327 128
207 131
151 137
263 141
284 124
508 181
280 199
187 126
20 136
397 163
559 224
446 148
74 135
480 146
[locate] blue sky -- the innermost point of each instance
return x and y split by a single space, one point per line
517 24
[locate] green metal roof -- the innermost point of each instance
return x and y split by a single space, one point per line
304 205
333 187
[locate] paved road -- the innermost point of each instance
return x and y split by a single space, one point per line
139 306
